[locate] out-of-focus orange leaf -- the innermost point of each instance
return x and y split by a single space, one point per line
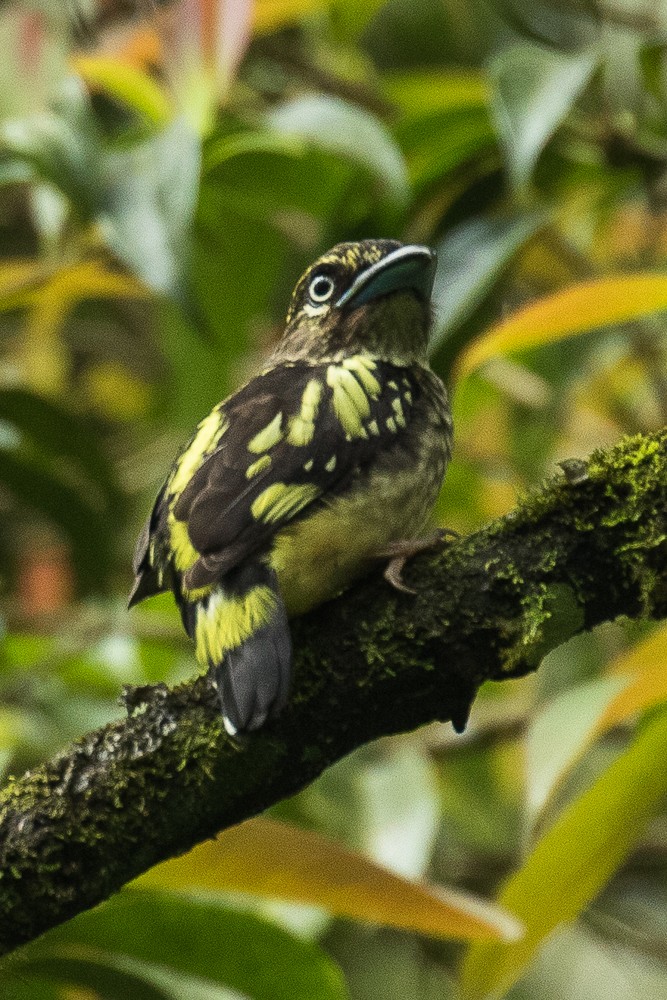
574 860
272 14
646 667
267 858
575 310
46 580
140 47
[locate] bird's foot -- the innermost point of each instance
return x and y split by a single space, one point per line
401 551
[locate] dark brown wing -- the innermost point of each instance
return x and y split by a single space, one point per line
273 462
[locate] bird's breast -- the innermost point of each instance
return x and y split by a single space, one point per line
318 556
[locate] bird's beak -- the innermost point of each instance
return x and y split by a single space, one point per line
410 268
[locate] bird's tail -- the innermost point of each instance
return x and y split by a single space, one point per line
242 634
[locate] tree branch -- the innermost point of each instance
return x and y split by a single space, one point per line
591 545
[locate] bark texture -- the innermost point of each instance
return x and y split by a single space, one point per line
587 547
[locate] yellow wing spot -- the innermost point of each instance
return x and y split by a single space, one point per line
393 385
407 396
281 501
226 622
184 552
406 382
398 412
391 424
362 368
307 466
350 402
208 433
267 437
373 428
302 426
259 466
331 464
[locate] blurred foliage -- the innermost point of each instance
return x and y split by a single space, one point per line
166 171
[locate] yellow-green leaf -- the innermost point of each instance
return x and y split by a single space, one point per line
49 296
419 93
573 861
270 15
575 310
129 85
268 858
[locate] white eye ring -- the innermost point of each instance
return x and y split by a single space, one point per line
321 289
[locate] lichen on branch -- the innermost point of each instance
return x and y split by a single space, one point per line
587 547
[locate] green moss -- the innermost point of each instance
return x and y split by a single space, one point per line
582 550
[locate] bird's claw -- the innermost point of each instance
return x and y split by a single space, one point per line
393 575
399 552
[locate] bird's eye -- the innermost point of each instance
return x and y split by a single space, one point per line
321 289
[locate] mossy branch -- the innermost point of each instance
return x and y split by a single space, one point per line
589 546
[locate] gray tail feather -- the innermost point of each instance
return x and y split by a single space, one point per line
253 680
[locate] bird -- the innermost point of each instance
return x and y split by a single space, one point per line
327 461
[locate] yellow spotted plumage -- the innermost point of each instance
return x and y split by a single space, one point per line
292 487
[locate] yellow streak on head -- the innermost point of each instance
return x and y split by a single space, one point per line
227 621
267 437
209 432
281 501
350 402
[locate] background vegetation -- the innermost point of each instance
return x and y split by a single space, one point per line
166 173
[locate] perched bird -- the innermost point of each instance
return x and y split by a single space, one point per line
295 485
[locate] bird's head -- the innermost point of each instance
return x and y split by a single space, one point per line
372 296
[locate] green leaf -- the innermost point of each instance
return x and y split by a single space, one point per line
345 129
574 860
566 24
60 435
352 17
270 177
443 141
85 973
206 941
63 148
91 534
533 90
20 987
117 977
152 195
471 259
560 733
